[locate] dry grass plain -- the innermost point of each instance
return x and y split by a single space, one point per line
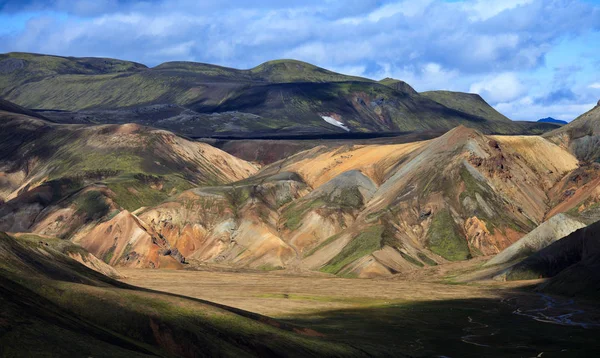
429 313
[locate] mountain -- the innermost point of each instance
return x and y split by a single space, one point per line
60 180
572 263
466 102
552 120
581 136
53 305
277 98
6 106
542 236
373 210
398 85
135 196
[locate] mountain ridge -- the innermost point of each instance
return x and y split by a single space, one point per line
552 120
279 97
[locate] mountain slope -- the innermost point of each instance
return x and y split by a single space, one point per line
53 305
6 106
139 197
474 105
63 180
398 85
373 210
581 136
466 102
544 235
572 263
276 98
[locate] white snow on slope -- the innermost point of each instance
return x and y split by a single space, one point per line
335 122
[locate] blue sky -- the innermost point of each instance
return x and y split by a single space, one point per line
528 58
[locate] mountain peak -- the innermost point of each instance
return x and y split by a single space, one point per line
284 62
288 70
398 85
552 120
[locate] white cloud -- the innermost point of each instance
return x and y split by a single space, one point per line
409 8
504 87
491 47
349 70
487 48
484 9
178 51
426 77
525 109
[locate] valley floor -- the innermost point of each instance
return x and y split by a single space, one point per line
428 315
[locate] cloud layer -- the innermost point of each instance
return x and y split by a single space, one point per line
529 58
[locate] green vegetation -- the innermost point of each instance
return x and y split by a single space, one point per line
426 259
349 198
133 191
444 239
436 328
93 161
500 219
518 274
328 241
411 259
466 102
362 245
398 85
473 186
299 93
112 214
297 71
320 298
63 246
109 254
71 310
237 197
92 205
293 214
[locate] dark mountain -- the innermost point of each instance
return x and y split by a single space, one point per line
552 120
6 106
277 98
573 263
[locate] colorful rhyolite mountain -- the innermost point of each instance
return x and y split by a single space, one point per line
139 197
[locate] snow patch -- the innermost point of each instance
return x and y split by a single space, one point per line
335 122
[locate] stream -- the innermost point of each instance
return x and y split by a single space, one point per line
556 312
553 311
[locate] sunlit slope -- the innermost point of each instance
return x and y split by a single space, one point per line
67 180
372 210
140 197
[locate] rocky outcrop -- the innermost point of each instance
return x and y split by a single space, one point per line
126 241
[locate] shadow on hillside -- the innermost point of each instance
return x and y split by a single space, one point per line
478 327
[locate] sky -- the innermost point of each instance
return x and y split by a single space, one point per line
530 59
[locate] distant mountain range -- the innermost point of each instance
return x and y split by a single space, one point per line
276 98
552 120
